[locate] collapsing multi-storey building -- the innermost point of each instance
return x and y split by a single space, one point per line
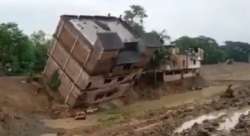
97 58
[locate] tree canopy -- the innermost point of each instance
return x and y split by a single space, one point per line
135 17
18 53
238 51
213 53
41 45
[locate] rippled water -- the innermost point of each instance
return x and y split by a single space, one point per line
198 120
232 120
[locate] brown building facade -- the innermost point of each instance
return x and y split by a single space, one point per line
97 58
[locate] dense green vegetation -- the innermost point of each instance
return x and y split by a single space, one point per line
55 81
41 45
19 53
238 51
214 53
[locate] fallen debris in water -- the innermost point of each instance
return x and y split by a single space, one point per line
199 120
233 120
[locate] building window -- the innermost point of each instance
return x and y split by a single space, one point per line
134 77
99 96
109 94
106 81
126 66
183 63
120 79
194 62
174 63
89 85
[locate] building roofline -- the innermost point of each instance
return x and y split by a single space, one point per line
124 23
67 17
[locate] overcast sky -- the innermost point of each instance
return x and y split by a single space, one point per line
219 19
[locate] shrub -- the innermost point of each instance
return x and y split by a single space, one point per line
55 81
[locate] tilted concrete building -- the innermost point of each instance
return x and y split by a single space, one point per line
97 57
181 64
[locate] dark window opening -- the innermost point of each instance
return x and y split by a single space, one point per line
127 66
168 73
174 63
196 49
120 78
109 94
194 62
89 85
134 77
106 81
82 97
183 63
99 96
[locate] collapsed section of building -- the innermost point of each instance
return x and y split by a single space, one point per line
97 58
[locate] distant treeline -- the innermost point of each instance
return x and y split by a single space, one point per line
214 53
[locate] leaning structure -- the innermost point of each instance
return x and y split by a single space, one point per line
97 58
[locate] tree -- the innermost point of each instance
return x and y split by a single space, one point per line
213 53
41 45
238 51
135 18
158 59
135 14
16 51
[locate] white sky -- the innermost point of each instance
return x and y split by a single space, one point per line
219 19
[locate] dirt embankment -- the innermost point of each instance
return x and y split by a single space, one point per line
169 121
21 108
194 119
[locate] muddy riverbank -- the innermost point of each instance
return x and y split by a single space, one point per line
219 116
227 114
